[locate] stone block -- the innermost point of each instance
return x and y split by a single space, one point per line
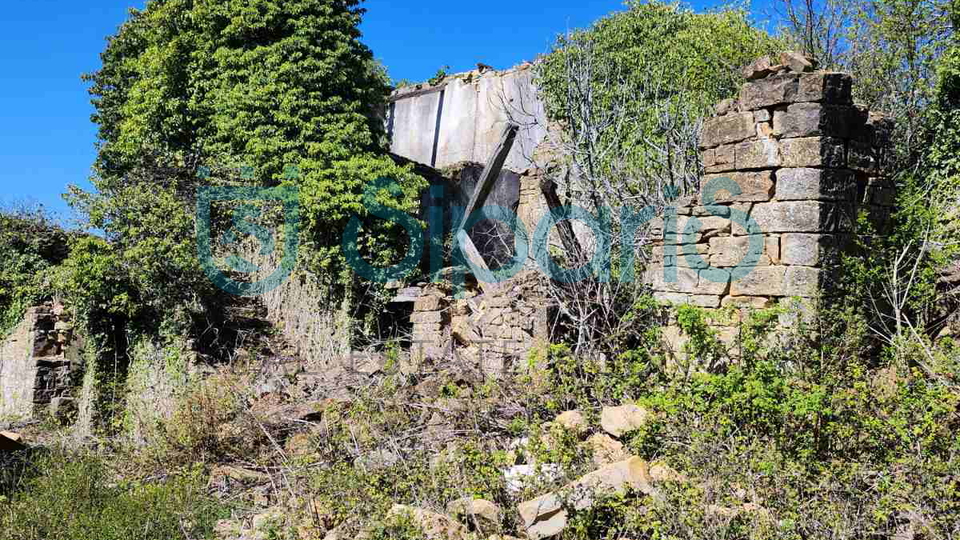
815 184
751 302
777 217
763 115
478 511
715 211
730 128
771 246
824 152
761 154
573 421
807 249
721 158
797 62
684 231
802 281
618 421
733 250
816 119
547 515
762 281
427 336
824 87
771 91
758 69
726 106
678 299
739 230
428 317
713 282
755 186
689 261
428 303
687 281
605 449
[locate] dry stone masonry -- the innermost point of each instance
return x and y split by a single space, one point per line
38 361
489 331
806 160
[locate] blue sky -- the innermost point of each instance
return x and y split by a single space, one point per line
47 139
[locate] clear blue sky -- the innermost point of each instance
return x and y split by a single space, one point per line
47 139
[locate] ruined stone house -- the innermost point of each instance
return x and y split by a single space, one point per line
805 157
807 161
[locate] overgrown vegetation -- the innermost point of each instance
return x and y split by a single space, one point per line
30 246
73 496
195 93
845 424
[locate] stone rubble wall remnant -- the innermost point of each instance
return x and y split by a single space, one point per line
39 360
807 160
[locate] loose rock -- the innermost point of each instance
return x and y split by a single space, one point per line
11 442
797 62
573 421
605 449
547 515
484 513
758 69
618 421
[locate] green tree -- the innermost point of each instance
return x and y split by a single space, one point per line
628 97
252 92
894 49
631 91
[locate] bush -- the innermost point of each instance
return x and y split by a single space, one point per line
75 497
30 245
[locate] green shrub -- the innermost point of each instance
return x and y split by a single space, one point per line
75 497
30 245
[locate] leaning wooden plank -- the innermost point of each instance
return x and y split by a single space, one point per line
470 252
567 235
491 172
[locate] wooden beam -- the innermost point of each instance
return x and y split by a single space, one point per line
471 253
567 234
488 178
491 172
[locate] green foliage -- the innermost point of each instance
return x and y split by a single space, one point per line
439 76
30 245
563 381
654 60
196 92
75 497
146 270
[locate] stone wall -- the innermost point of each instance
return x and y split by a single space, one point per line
491 331
806 160
38 363
317 328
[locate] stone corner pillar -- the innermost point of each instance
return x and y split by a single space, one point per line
805 160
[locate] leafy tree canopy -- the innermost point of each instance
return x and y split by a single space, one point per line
662 64
249 92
